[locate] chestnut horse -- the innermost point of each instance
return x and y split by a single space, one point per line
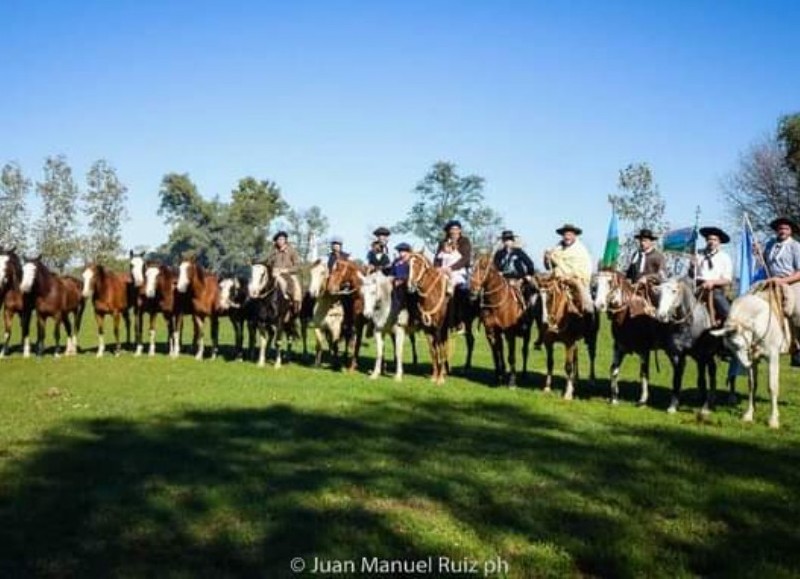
10 296
158 296
563 321
50 296
430 285
110 296
633 325
344 281
201 290
504 314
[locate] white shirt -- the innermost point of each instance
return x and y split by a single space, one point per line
721 267
457 276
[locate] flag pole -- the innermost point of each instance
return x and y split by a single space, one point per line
694 249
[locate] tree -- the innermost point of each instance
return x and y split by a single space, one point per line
104 203
639 203
254 205
56 230
763 184
306 228
442 195
14 189
789 137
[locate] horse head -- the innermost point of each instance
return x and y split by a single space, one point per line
675 301
188 271
30 271
8 262
418 266
479 274
370 293
89 277
151 273
137 266
260 277
343 278
319 277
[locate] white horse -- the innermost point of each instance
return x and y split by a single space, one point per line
328 315
377 292
757 329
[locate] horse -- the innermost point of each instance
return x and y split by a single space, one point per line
10 295
327 315
757 328
50 296
110 295
272 315
344 281
233 305
430 285
504 315
376 291
687 333
633 325
562 320
158 295
200 290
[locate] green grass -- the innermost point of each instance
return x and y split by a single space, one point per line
152 467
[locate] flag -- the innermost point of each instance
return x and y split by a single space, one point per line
611 252
749 271
681 240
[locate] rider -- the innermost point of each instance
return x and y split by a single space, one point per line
336 252
571 259
457 270
285 262
782 255
514 264
714 269
400 270
378 256
648 263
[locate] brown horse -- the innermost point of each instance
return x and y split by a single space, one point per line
344 281
50 296
10 296
110 294
562 320
430 285
157 295
504 314
201 291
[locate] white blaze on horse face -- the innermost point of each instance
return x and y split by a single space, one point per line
28 276
603 290
226 289
183 277
3 266
151 279
369 290
137 270
318 279
88 279
258 280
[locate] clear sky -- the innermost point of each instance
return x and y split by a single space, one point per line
346 104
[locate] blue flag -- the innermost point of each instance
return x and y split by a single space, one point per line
749 271
681 240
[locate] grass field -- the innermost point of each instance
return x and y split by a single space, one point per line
152 467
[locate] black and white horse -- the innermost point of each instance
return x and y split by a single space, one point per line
271 314
234 305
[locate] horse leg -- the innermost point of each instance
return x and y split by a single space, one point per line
376 371
733 368
469 337
41 326
118 346
548 381
26 333
591 345
526 345
752 383
279 334
678 366
709 390
215 336
399 344
138 331
413 339
570 364
491 337
152 334
126 316
512 358
644 373
774 388
262 345
177 332
434 355
8 317
318 347
199 340
616 362
101 339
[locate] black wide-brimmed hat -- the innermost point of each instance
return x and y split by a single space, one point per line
280 234
452 223
784 221
403 246
381 231
646 234
723 237
569 227
508 234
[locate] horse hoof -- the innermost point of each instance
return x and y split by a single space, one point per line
547 390
398 378
774 423
374 376
100 354
641 404
568 397
747 418
614 402
672 410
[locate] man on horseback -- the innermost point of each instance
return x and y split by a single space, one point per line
336 252
515 265
714 271
400 271
782 255
285 262
453 256
378 256
648 263
571 259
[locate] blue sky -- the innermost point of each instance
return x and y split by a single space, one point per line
347 104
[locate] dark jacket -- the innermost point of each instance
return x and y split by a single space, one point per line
653 266
332 257
514 264
464 247
380 261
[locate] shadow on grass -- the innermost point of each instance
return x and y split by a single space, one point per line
241 492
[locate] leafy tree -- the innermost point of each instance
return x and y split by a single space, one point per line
254 205
56 230
639 203
442 195
306 228
14 189
763 184
104 203
789 137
